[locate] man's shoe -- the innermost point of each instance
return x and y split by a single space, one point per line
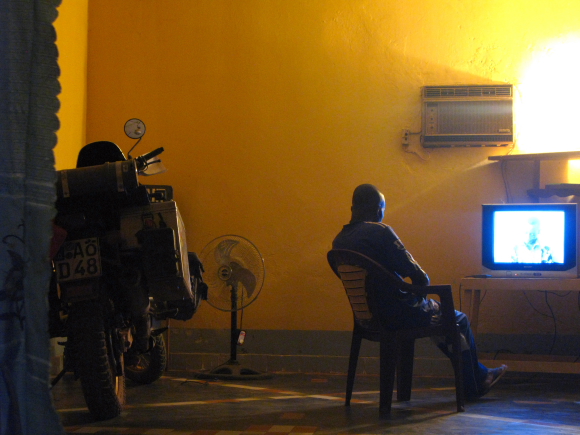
493 375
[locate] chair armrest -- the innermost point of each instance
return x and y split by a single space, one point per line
338 257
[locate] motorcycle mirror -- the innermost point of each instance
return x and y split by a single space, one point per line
135 128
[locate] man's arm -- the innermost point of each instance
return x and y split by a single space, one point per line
417 275
402 261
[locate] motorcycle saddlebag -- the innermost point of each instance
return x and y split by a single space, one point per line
158 231
115 177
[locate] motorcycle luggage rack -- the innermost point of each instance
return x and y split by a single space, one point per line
159 193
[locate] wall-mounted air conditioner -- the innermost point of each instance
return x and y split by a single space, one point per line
467 116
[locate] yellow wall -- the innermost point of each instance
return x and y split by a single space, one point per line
272 111
71 30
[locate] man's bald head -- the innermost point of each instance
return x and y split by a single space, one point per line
368 204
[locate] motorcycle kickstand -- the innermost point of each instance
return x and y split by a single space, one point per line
59 376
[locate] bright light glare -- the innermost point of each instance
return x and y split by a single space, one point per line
574 170
548 112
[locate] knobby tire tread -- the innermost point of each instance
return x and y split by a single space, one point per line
104 392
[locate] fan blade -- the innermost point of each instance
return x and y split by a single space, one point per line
223 250
243 275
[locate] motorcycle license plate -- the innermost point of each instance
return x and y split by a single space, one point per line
78 259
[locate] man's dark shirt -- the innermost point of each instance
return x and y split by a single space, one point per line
380 243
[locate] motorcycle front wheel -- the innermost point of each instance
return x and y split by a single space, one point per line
147 367
95 363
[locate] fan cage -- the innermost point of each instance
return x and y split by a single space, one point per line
246 255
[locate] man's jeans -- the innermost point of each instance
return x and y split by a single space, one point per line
474 373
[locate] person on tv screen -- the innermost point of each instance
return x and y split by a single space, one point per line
531 249
367 235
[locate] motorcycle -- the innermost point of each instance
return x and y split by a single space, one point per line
120 267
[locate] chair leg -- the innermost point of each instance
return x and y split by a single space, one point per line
458 370
388 366
406 355
352 363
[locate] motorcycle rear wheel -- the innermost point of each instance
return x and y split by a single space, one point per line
104 392
148 367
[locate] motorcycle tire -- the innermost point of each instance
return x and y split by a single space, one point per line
146 368
94 361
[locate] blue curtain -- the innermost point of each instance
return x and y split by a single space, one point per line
28 123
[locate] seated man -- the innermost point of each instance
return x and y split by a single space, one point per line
367 235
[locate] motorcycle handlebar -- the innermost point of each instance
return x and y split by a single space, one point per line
142 160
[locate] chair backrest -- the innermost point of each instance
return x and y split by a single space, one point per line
354 281
360 276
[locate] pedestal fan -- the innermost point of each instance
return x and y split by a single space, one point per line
234 274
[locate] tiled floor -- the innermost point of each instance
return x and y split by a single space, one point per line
179 404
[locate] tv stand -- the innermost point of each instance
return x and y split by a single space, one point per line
471 290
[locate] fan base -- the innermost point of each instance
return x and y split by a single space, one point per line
233 370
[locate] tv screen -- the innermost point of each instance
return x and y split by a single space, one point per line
529 240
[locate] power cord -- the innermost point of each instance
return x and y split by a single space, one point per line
505 181
406 142
551 315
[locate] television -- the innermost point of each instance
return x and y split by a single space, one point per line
530 240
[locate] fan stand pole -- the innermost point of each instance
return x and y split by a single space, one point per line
234 323
233 369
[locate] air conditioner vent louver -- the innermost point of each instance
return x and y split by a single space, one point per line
467 91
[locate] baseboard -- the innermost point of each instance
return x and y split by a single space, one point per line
298 351
327 352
